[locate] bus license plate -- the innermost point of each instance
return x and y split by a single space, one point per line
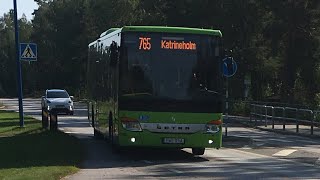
173 141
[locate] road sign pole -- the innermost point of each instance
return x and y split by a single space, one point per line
227 99
229 68
19 76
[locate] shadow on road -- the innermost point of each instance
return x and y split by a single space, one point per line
101 155
158 162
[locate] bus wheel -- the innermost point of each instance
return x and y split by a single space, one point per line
198 151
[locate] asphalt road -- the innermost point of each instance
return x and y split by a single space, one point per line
247 154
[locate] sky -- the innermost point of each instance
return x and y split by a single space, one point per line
23 6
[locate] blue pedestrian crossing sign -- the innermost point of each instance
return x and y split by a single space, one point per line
28 52
229 66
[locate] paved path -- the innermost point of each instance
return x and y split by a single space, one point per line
248 154
77 124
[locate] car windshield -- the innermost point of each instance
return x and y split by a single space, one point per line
57 94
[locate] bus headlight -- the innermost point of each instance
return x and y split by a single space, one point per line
210 128
133 139
131 124
213 126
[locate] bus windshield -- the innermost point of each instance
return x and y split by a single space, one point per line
170 66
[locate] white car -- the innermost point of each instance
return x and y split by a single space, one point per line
57 100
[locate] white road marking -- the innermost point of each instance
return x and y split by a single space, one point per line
70 132
297 147
250 154
284 152
265 156
175 171
246 147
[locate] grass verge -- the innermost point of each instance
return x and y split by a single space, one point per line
34 153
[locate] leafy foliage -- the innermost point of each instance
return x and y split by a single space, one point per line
276 43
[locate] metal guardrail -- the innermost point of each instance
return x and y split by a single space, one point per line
287 114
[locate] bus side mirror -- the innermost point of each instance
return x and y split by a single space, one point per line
114 55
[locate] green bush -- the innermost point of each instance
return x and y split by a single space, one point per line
240 108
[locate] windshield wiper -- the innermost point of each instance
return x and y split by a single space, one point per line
215 92
210 91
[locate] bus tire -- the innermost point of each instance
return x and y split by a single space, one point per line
198 151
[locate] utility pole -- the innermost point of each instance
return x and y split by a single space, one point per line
19 76
227 99
229 68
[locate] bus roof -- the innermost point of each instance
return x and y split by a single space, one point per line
158 29
108 31
92 43
172 30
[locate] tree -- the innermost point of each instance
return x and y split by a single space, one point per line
294 39
8 79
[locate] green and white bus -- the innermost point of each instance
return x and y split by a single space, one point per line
154 86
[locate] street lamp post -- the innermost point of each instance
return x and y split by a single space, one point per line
19 76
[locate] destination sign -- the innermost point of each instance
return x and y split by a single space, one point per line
182 45
146 44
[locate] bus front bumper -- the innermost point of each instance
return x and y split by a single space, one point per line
170 140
